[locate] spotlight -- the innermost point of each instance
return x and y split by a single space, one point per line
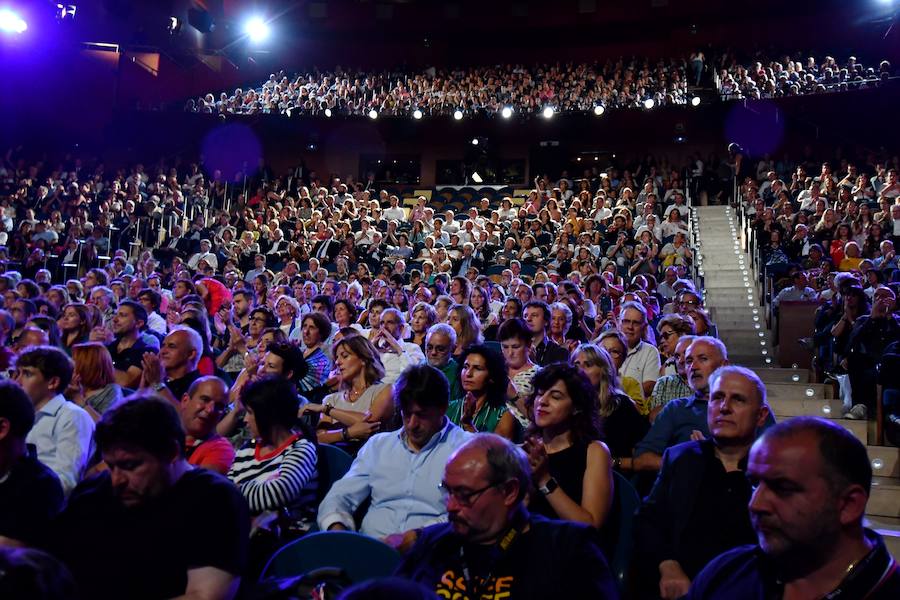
476 177
548 112
417 114
649 103
457 114
257 29
506 112
373 114
599 110
695 101
174 25
474 141
328 113
65 12
10 22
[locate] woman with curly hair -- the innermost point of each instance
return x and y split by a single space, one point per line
482 375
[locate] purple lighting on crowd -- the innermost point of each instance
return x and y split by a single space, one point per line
10 22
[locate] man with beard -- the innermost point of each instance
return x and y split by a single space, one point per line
128 348
812 480
492 547
152 526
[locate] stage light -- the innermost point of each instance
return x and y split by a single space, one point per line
328 113
457 114
695 101
599 110
506 112
257 29
474 141
476 177
547 112
417 114
65 12
373 114
649 103
174 25
10 22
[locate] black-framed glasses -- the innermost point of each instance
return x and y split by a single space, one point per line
667 334
463 497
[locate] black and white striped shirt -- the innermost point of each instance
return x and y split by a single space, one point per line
285 478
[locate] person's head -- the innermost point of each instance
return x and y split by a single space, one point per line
423 317
537 316
181 350
261 318
440 340
812 479
737 405
597 365
703 356
423 394
392 322
22 309
515 341
150 299
671 328
466 324
141 441
36 575
203 406
16 417
345 312
43 372
355 356
283 359
681 347
560 318
130 318
485 482
565 400
271 405
633 322
93 365
314 329
483 372
615 345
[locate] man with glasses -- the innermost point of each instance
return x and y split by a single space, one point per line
400 470
440 340
201 409
396 354
641 358
492 547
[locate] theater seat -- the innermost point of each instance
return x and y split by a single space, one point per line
626 501
333 463
359 556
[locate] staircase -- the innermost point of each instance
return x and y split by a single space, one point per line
731 297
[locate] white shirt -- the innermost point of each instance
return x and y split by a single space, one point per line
395 364
394 214
641 364
62 434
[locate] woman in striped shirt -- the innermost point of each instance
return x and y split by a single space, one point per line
276 472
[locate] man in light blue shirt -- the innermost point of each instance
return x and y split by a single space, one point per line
62 430
401 469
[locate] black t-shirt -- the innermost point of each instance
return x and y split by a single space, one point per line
30 496
146 552
553 559
179 387
130 357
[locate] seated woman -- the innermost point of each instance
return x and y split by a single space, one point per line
93 385
670 329
423 317
623 426
614 343
74 325
515 342
482 375
570 467
277 471
467 327
315 328
364 404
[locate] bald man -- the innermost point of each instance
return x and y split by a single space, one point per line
172 372
201 409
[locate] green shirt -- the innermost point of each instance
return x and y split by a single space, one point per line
451 372
485 419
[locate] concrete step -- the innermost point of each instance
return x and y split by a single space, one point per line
776 375
885 460
796 407
884 500
810 391
859 429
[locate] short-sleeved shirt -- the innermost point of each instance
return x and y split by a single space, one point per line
147 551
130 357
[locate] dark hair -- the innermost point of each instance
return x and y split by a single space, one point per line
145 422
321 322
271 321
844 458
294 362
33 574
514 328
328 301
155 298
16 407
243 292
543 306
137 309
422 385
379 302
585 422
31 288
50 361
498 379
29 307
48 324
354 313
274 402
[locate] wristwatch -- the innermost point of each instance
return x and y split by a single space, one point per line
549 487
158 387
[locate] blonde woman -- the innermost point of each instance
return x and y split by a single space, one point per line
467 327
623 425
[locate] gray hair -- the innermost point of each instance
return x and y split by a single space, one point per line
746 374
715 342
196 343
505 460
441 328
561 307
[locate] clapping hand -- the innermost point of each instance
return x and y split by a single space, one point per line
152 370
537 458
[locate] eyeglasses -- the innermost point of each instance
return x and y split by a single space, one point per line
438 349
463 497
667 334
689 302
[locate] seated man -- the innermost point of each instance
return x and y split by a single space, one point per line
396 354
400 470
30 494
62 430
492 547
697 508
201 409
172 372
161 526
128 346
812 479
440 340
